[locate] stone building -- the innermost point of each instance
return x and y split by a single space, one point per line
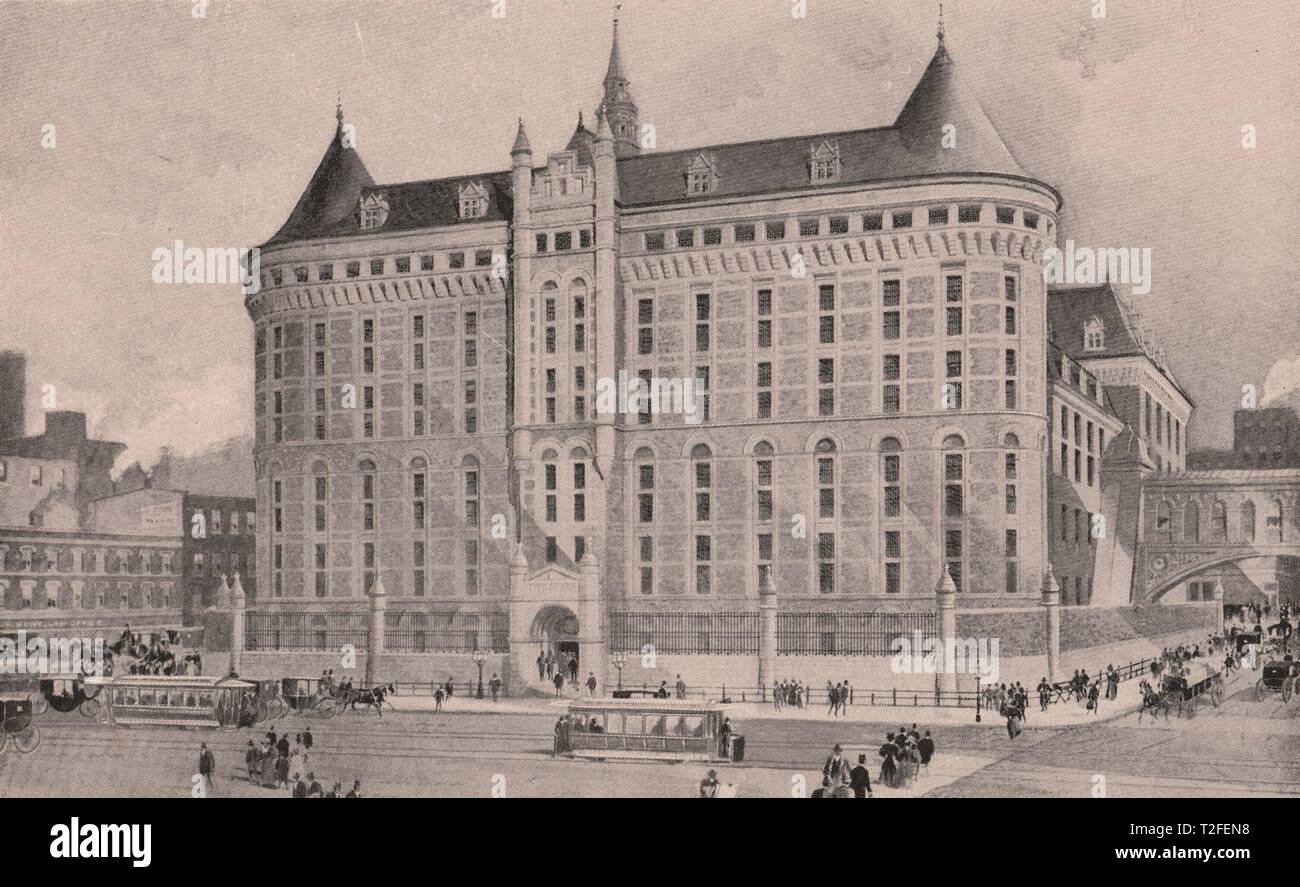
438 390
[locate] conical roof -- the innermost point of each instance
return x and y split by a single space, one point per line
581 141
939 100
616 82
332 193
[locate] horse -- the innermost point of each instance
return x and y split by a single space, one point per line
371 698
1155 702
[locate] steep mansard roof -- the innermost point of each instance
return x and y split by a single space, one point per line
1071 308
331 195
913 146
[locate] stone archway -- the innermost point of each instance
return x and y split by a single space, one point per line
554 630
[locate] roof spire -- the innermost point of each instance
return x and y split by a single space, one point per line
338 110
939 33
521 141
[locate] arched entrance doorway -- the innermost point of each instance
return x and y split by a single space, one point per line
555 631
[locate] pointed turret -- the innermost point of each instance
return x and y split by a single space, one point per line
521 145
618 105
944 127
581 142
333 192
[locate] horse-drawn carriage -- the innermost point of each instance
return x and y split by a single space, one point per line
1182 692
1279 676
66 692
310 694
16 721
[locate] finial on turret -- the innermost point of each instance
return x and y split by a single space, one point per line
338 110
939 33
521 145
579 120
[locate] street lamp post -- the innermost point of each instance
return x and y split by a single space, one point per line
620 659
479 658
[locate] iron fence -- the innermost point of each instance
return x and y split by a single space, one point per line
692 634
306 632
848 634
419 631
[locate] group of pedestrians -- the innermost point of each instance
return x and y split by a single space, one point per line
904 755
838 697
789 694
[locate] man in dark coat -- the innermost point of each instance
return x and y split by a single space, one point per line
559 683
926 749
283 746
207 766
306 740
860 779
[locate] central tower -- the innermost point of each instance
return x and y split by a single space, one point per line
619 108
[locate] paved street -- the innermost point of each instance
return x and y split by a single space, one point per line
1243 748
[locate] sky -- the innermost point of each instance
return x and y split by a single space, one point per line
131 125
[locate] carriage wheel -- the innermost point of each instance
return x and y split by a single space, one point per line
1259 690
89 708
40 705
28 738
1286 691
326 708
1216 694
278 709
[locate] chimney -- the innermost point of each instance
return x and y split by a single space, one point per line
13 393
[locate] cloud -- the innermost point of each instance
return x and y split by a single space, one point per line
1283 379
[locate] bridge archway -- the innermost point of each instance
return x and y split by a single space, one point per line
1178 575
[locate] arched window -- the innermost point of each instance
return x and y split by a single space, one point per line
826 516
702 483
367 469
954 507
643 482
1219 520
1192 522
1248 520
764 507
891 513
1164 524
419 489
1010 468
1275 532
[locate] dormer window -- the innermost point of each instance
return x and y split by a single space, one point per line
473 201
824 163
702 175
1094 334
374 211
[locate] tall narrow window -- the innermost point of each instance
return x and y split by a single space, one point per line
764 311
764 506
891 316
892 373
470 493
702 484
827 525
891 513
954 508
367 496
953 301
826 314
645 485
418 492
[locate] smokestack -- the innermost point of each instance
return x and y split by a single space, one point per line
13 394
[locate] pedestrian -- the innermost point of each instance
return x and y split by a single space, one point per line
860 779
846 696
836 769
591 683
207 768
550 664
314 790
250 757
1093 692
306 741
356 789
541 667
559 684
681 688
1044 694
573 668
709 785
1013 715
495 686
299 786
926 749
437 699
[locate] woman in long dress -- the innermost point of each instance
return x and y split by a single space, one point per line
889 768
